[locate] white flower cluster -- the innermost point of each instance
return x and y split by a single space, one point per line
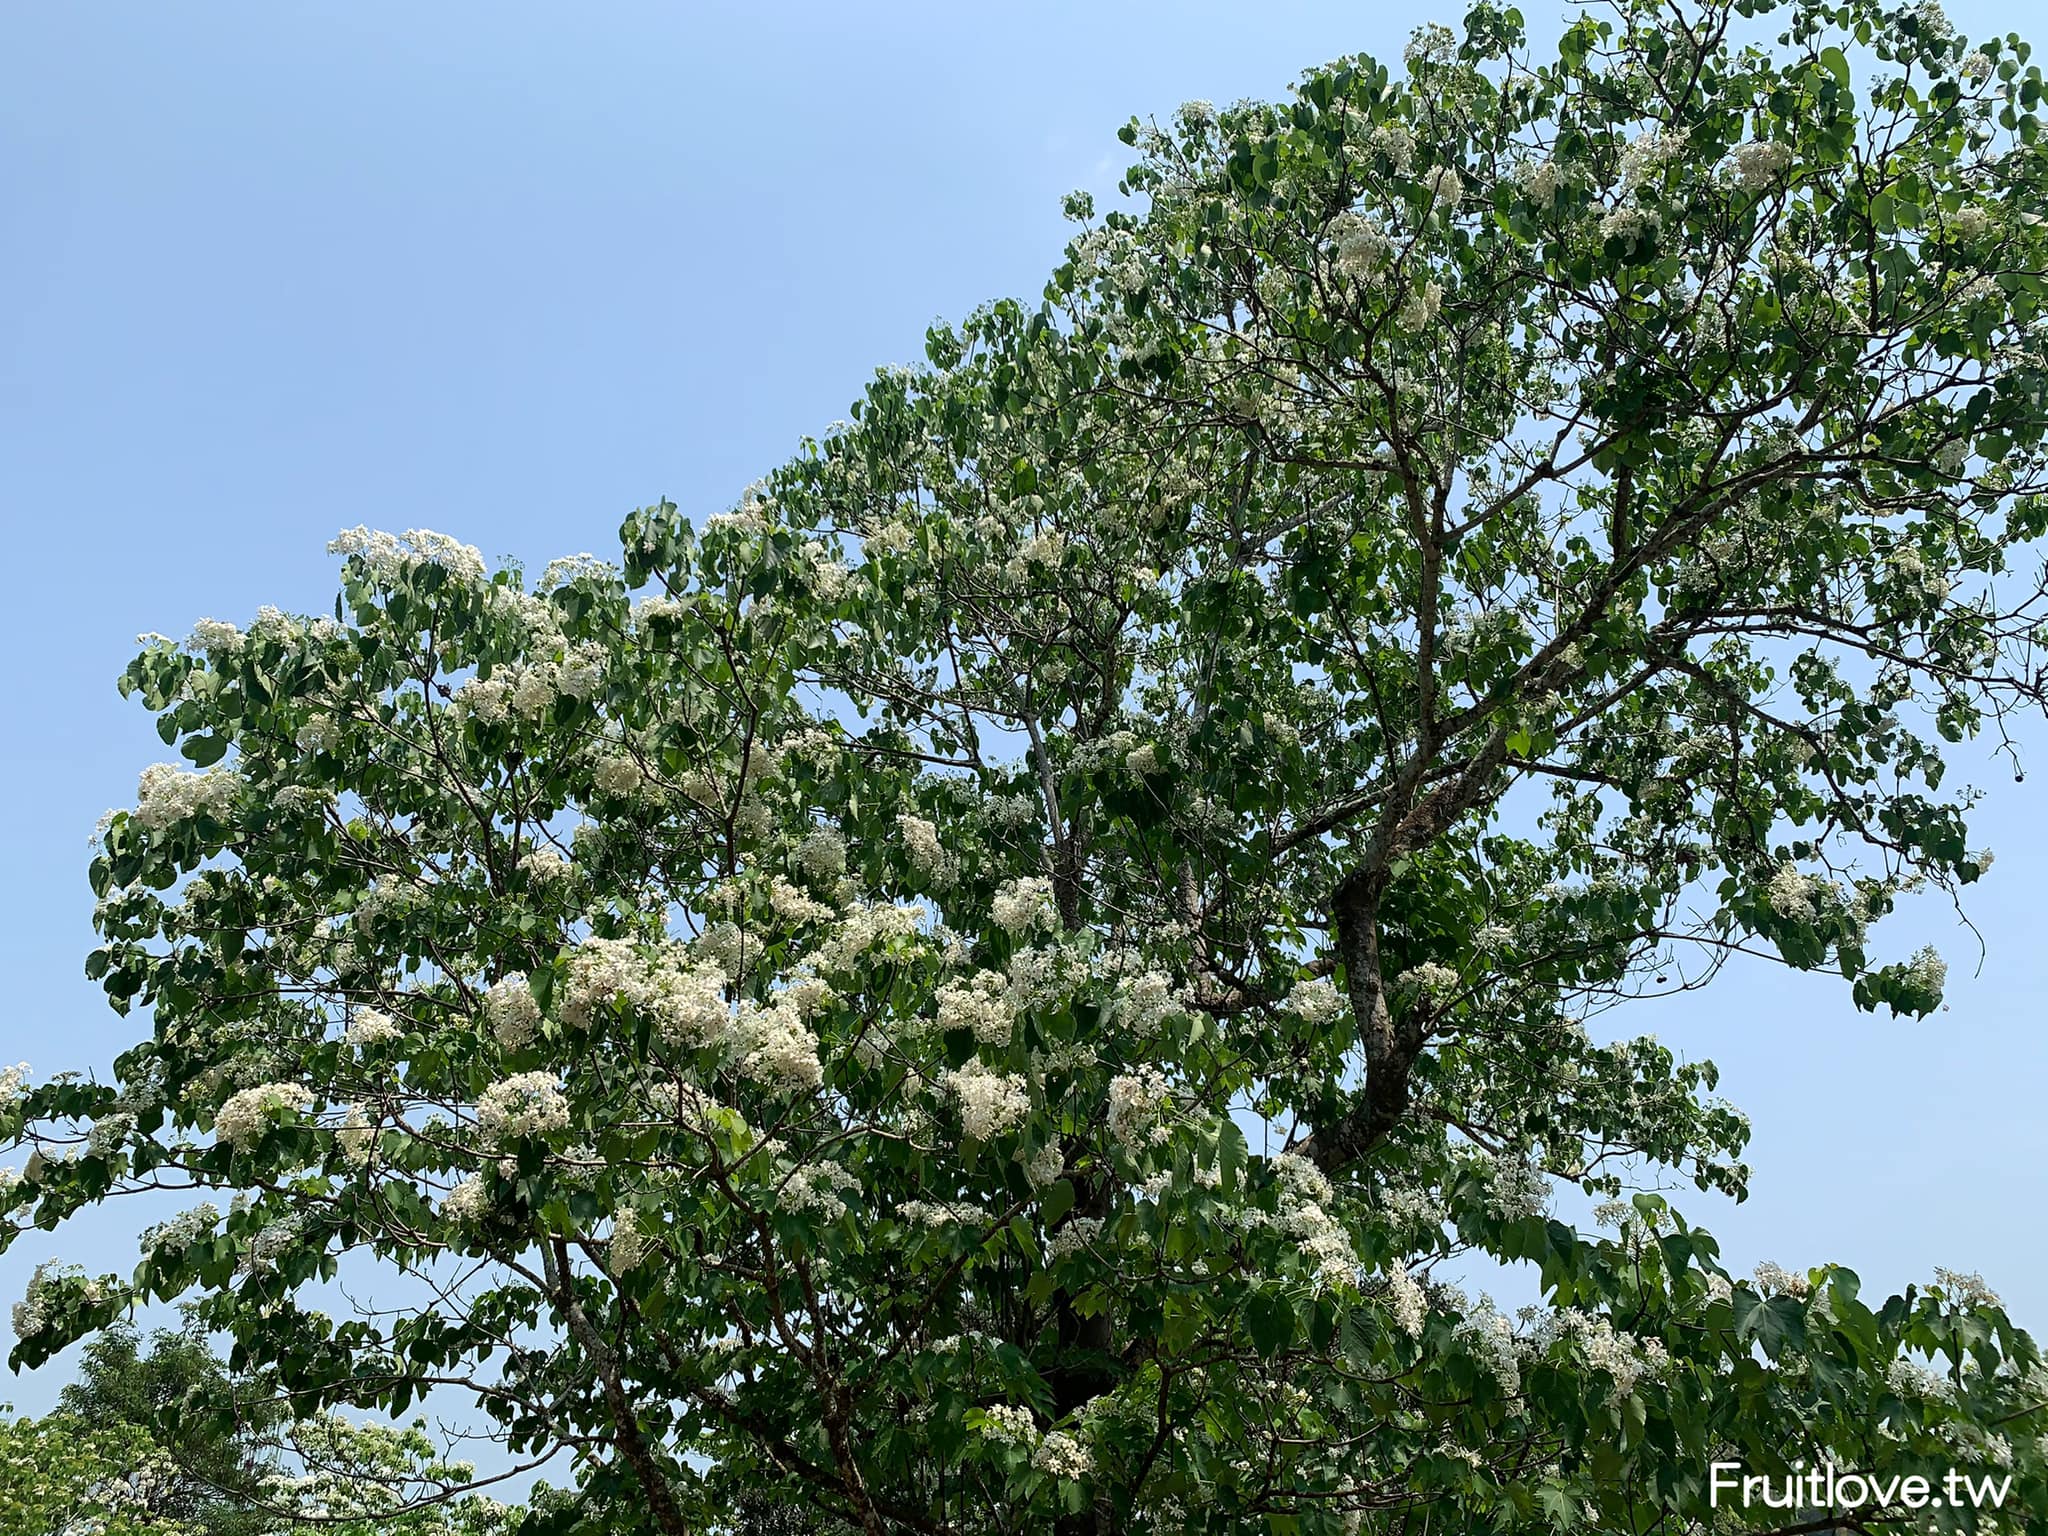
1316 1000
1405 1299
822 854
1145 1002
980 1005
182 1230
1397 142
357 1136
600 971
1911 1379
1934 24
1430 978
1007 813
1775 1281
1628 1222
867 928
990 1102
1971 222
1965 1290
629 1246
1630 224
1648 153
1073 1235
1929 969
1062 1455
685 997
1304 1216
544 865
168 795
390 555
823 570
1421 306
1138 1102
1626 1358
1491 1337
372 1026
795 906
928 857
1044 1166
1011 1425
13 1084
215 637
941 1213
1431 43
246 1113
1540 181
513 1013
525 1104
1791 894
618 776
562 571
261 1251
1361 250
469 1201
1760 165
819 1187
1043 974
1515 1187
32 1312
1024 904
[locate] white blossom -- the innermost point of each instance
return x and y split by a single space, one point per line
513 1013
525 1104
818 1187
1023 904
629 1245
1406 1301
372 1026
1011 1425
215 637
1072 1235
246 1113
469 1201
1044 1166
1061 1455
1137 1103
1760 165
357 1135
1540 181
389 556
1780 1282
990 1102
544 865
980 1005
1792 893
927 855
167 795
1316 1000
1965 1290
1646 154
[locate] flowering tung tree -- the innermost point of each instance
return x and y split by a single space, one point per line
986 997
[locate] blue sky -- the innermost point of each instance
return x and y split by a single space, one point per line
510 271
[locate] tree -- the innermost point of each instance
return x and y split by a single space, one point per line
1483 544
159 1441
64 1476
180 1398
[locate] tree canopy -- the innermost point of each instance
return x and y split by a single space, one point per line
162 1440
989 986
